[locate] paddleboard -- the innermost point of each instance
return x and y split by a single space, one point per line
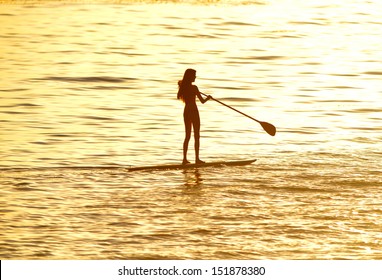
187 166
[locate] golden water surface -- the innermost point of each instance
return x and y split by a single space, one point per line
88 90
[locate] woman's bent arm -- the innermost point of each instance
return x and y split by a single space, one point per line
203 100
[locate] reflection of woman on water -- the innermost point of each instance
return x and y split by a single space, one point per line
188 92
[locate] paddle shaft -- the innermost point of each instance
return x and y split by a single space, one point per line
232 108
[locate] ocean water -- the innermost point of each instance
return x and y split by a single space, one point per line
88 90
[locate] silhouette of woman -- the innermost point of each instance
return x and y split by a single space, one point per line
187 93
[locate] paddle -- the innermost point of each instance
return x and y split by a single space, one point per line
269 128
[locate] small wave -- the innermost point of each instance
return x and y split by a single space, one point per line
106 88
27 105
373 73
103 23
97 118
239 23
338 101
63 168
364 110
109 109
39 142
60 135
16 113
232 88
311 63
239 99
260 57
27 187
14 90
307 131
343 75
366 128
128 53
364 140
31 105
100 79
340 87
306 23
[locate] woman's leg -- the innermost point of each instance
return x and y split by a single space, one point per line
196 125
187 126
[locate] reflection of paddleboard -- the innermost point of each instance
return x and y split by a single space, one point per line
186 166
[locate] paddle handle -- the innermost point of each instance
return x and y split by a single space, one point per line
231 108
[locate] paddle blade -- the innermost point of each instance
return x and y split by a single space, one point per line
269 128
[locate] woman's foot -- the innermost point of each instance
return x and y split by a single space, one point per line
198 161
184 162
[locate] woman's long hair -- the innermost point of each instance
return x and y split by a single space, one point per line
185 83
